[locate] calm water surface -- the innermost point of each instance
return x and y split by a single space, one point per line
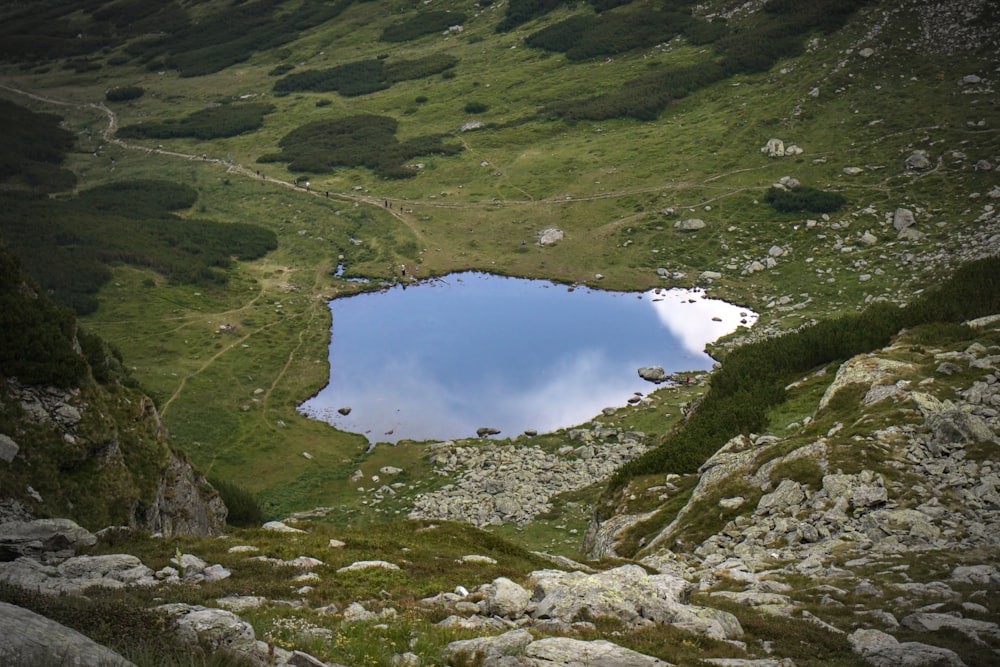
440 359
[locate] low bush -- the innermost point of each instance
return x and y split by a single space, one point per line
227 120
804 198
420 24
364 76
244 509
124 93
355 141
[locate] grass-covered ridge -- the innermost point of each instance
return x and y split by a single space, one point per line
754 376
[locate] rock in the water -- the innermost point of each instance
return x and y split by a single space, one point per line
28 639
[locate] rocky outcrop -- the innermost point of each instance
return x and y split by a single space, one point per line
114 440
207 630
28 639
518 647
630 595
184 503
57 537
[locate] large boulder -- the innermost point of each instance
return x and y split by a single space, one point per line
75 575
883 650
903 218
505 598
34 538
567 652
654 374
918 160
28 639
689 225
550 236
631 595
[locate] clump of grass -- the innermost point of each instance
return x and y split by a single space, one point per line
245 510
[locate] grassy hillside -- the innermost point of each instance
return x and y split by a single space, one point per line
612 144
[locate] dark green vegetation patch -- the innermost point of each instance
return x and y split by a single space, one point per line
36 335
227 120
232 35
780 32
583 36
364 76
356 141
804 198
68 244
32 148
420 24
124 93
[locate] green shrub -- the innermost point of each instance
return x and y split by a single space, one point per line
217 122
804 198
355 141
420 24
244 509
475 107
36 335
124 93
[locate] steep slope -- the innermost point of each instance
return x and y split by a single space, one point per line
75 440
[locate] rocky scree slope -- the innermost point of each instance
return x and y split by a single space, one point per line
876 515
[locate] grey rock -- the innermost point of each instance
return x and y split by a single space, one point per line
507 644
883 650
654 374
982 575
279 527
8 448
689 225
566 652
550 236
932 622
918 160
631 595
28 639
40 536
505 598
788 493
902 218
74 575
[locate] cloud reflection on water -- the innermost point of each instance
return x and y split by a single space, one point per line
556 378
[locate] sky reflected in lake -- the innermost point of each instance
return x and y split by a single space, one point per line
442 358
